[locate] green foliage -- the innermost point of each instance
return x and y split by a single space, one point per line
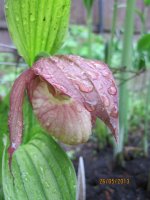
40 170
77 43
144 43
147 2
102 135
137 114
88 4
37 26
142 52
4 109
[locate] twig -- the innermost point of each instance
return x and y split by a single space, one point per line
7 46
132 77
7 51
12 64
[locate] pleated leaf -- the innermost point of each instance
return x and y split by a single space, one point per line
37 27
40 171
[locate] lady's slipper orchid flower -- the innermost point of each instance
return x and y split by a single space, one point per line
67 93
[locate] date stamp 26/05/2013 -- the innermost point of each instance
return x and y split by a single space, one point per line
116 180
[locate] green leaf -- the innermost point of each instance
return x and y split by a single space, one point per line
37 26
147 2
40 171
144 43
88 4
4 109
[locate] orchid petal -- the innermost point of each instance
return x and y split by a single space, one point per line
65 119
90 83
16 113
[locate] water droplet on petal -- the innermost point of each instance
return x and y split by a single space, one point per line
89 107
100 86
61 88
105 73
55 59
85 86
114 112
93 75
71 63
37 71
112 90
79 108
105 101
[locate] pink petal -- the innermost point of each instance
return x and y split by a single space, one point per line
62 117
90 83
16 115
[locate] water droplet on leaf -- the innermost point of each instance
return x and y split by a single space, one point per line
32 18
17 18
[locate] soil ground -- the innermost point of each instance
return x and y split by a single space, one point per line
100 163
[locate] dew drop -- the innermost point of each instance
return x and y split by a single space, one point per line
100 66
79 108
89 107
32 18
105 101
38 71
114 112
71 63
47 124
55 59
19 123
85 86
61 88
93 75
105 73
112 90
100 86
17 18
24 22
23 5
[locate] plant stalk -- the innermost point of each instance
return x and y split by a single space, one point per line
146 129
89 25
113 29
124 93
